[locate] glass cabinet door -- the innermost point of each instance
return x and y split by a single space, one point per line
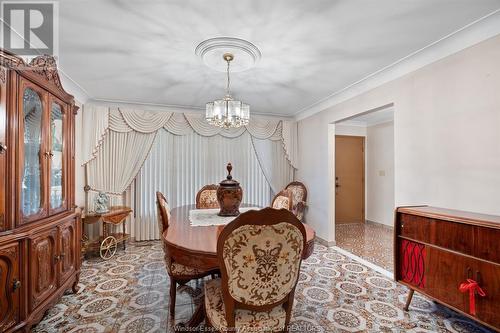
32 202
57 181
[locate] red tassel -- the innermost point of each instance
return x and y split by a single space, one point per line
472 287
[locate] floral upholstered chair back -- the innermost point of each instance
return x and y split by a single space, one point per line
282 200
207 197
299 197
260 253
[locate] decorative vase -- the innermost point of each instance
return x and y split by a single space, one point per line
101 203
229 195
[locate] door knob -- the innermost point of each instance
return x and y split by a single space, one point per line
16 285
57 258
3 148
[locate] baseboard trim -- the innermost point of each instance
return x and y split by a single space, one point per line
380 224
325 242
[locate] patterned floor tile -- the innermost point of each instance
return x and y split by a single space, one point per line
370 241
335 294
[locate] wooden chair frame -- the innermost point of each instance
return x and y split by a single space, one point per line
266 216
174 279
284 193
210 187
161 210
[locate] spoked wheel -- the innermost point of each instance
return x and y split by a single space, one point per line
108 247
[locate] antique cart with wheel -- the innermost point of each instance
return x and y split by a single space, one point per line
107 243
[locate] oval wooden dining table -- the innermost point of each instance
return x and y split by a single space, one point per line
196 246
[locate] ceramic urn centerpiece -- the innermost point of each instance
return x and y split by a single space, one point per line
229 195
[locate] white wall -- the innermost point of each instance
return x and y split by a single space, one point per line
446 132
341 129
380 173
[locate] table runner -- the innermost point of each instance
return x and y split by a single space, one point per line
209 217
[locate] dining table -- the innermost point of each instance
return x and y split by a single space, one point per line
196 246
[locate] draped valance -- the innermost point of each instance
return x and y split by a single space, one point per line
102 119
118 143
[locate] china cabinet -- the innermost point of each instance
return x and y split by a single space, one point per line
39 225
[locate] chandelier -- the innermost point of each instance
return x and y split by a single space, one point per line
227 112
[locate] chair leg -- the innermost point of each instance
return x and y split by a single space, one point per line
288 306
173 290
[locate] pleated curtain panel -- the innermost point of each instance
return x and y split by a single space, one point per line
131 154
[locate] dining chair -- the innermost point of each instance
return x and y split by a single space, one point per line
260 254
207 197
299 198
179 274
282 200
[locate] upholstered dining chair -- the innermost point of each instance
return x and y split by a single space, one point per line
207 197
260 254
299 198
179 274
282 200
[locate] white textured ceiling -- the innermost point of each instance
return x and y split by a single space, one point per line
143 51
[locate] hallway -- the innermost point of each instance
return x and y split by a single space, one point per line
370 241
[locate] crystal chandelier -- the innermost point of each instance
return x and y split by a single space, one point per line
227 112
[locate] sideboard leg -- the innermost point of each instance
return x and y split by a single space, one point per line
408 300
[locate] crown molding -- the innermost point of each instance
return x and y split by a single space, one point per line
79 93
172 108
473 33
145 105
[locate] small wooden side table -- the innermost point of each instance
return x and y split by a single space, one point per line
107 242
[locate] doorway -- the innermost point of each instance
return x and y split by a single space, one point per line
349 179
364 191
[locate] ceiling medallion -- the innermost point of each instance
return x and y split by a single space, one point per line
238 55
246 54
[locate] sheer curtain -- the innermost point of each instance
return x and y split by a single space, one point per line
188 153
274 163
179 166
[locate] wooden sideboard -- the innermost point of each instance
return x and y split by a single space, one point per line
452 257
39 226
